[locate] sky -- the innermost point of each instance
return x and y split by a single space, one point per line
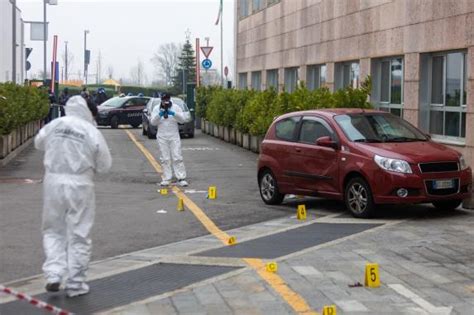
125 31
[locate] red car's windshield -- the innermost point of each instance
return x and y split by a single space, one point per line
378 128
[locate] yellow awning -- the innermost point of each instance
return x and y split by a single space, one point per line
111 82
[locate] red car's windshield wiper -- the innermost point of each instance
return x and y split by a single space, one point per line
368 140
403 139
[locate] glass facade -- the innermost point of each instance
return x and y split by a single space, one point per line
291 79
256 80
448 95
387 94
315 76
243 80
272 79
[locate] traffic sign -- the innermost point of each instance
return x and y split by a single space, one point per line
206 64
206 50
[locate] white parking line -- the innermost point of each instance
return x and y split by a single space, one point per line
424 304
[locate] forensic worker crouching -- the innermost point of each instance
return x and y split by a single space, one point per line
166 117
74 150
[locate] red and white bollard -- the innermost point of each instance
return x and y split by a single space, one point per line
35 302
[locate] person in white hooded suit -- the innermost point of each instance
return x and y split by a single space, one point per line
166 117
74 151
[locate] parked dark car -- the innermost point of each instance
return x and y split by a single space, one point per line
121 110
186 129
362 157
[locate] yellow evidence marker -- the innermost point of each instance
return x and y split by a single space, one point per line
212 192
180 206
372 277
301 212
163 191
231 240
329 310
272 267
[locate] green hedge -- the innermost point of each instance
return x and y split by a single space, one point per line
23 104
252 111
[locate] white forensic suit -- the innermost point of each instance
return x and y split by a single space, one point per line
169 143
74 150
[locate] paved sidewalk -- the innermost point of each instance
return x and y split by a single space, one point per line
426 267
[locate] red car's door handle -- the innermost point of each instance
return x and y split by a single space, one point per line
297 149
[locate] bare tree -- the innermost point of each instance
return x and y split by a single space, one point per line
68 60
98 71
137 73
110 71
165 60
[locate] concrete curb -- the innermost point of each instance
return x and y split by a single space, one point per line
16 152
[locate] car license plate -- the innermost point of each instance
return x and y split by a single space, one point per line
443 184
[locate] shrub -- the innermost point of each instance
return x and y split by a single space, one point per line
22 105
253 112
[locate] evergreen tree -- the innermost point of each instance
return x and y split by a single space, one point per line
186 67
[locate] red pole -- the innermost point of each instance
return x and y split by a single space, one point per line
53 68
198 63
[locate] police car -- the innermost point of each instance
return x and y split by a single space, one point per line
121 111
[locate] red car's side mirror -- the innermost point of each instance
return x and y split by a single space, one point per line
326 142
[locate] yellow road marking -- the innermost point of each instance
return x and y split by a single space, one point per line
277 283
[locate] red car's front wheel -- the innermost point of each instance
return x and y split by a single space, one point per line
358 198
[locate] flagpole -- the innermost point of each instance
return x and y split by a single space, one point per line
222 43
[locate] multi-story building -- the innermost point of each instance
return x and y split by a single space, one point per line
419 53
6 42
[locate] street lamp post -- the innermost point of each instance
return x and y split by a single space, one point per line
65 60
14 41
85 55
45 33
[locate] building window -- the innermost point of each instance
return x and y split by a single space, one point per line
257 80
347 74
315 76
387 86
244 8
291 79
448 95
270 2
243 81
272 79
257 5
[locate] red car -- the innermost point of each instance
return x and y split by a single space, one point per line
363 157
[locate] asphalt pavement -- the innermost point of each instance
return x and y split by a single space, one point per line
127 200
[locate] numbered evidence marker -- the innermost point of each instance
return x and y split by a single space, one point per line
329 310
272 267
301 212
180 206
163 191
212 192
231 240
372 277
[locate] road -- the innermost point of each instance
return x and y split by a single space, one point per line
127 200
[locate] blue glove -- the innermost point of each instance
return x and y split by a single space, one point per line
171 113
162 112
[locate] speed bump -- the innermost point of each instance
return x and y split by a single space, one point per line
372 277
272 267
180 206
301 212
329 310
